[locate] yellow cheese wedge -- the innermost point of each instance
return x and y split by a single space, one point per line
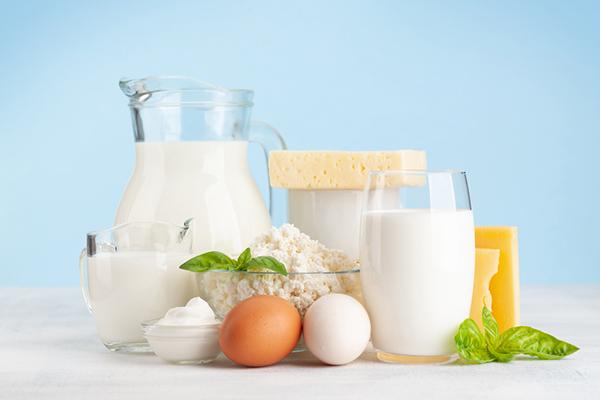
336 169
486 266
505 284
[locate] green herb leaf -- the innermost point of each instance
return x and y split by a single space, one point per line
207 261
215 260
501 357
471 344
530 341
244 258
490 326
474 346
267 262
492 336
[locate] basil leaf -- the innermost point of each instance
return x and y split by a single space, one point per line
208 261
215 260
490 326
501 357
220 267
194 267
471 345
266 262
492 336
530 341
243 259
474 346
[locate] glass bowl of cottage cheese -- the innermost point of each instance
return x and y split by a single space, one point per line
313 271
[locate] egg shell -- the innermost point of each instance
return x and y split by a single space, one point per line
336 329
260 331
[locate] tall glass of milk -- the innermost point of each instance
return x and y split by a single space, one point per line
417 254
130 274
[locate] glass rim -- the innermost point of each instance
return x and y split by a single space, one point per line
226 271
383 172
206 105
141 89
100 232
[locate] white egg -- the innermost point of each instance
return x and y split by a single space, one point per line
336 329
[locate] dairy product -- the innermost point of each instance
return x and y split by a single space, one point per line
185 344
336 169
309 264
207 180
504 286
330 216
417 278
186 335
127 288
298 252
325 195
486 266
195 312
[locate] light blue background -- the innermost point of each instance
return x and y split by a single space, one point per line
509 91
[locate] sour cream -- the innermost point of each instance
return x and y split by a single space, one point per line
186 335
195 313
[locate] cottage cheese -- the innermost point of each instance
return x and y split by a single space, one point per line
313 271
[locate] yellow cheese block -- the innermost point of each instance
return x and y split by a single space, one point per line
505 284
486 266
336 169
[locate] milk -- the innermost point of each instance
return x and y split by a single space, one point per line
331 217
207 180
417 271
127 288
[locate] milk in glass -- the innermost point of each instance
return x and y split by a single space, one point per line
130 287
417 269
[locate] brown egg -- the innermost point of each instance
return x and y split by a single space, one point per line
260 331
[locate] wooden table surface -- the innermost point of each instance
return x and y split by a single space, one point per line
49 350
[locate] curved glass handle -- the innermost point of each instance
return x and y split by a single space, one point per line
83 279
269 139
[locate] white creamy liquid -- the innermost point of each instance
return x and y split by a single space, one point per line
417 271
130 287
331 217
207 180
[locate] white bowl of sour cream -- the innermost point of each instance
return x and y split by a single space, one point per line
185 335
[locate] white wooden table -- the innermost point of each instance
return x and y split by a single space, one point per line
48 349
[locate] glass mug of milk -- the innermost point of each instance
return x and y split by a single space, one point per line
130 274
417 254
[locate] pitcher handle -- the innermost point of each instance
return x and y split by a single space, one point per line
83 279
269 139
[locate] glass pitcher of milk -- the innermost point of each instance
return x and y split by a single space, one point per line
191 141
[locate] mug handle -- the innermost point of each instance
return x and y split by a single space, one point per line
83 279
269 139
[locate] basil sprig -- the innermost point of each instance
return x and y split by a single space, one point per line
215 260
477 347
